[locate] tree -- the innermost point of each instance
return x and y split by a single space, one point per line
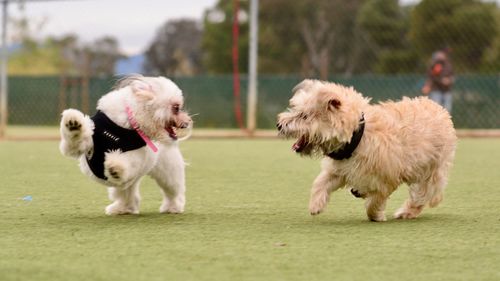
386 24
468 27
101 56
312 37
491 56
218 37
59 55
176 49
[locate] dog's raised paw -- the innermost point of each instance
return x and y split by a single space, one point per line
73 125
115 172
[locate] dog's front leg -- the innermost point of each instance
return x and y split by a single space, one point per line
170 175
375 206
324 184
76 133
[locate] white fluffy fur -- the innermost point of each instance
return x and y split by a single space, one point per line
411 141
152 100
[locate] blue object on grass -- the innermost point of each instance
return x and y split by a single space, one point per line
28 198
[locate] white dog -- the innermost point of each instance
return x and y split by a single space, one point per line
371 148
134 132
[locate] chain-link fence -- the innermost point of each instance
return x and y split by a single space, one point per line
381 47
40 100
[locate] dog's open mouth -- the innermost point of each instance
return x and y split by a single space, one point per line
172 132
300 144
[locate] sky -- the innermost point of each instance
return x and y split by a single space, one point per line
132 22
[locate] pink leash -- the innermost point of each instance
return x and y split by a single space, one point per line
134 125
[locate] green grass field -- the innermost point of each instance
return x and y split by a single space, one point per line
246 219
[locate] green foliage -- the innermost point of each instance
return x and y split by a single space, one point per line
175 50
396 61
281 48
386 25
246 219
491 57
35 59
468 27
310 37
384 21
314 37
217 39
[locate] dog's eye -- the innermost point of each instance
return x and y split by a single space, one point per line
303 116
176 108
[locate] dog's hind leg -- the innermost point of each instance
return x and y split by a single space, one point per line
429 192
420 194
324 184
125 200
117 168
170 175
76 133
414 205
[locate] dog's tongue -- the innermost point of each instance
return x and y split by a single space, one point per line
299 145
171 132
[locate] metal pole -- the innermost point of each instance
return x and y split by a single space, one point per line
3 72
252 68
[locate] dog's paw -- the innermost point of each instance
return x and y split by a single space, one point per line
116 172
378 217
115 169
117 208
72 123
174 206
357 194
318 202
316 207
406 213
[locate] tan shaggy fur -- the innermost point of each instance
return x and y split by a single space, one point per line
411 141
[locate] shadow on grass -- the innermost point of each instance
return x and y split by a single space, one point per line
245 220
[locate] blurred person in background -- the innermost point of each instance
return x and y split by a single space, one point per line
440 79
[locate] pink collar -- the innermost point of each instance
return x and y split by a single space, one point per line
134 125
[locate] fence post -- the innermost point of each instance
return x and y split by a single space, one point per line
3 72
252 68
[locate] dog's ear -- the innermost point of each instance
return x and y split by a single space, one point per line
306 84
142 90
334 103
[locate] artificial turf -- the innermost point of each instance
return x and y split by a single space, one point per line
246 219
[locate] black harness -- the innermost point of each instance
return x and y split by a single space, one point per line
346 151
108 137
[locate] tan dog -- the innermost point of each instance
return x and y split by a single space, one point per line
371 148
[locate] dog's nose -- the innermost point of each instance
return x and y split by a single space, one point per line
279 126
